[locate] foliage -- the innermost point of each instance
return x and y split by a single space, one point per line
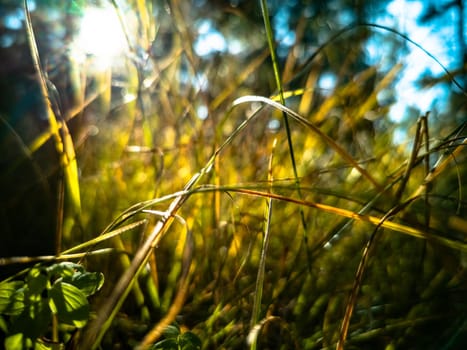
175 340
57 293
191 206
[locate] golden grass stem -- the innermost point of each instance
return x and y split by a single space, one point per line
63 142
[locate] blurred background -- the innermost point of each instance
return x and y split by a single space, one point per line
145 88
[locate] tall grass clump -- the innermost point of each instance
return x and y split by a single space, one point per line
229 202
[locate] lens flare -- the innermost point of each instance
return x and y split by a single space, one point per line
101 36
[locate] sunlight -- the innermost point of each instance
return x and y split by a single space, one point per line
410 96
101 36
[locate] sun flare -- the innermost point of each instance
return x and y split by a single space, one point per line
101 36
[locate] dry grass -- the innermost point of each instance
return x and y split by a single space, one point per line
361 244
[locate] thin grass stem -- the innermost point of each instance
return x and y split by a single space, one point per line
256 314
277 76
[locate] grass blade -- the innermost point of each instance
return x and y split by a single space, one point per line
343 153
262 262
377 221
63 142
277 76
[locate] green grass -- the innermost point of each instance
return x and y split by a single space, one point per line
200 223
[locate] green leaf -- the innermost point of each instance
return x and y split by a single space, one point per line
11 298
166 344
36 281
189 341
3 325
14 342
39 345
64 269
88 282
69 303
33 321
172 331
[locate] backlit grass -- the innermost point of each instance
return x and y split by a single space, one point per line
204 220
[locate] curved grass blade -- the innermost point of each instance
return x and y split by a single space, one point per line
105 236
387 224
357 284
342 152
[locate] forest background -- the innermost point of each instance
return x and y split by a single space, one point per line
272 175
